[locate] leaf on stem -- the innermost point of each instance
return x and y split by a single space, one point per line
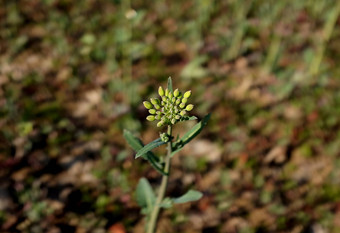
191 134
145 196
152 145
136 144
191 195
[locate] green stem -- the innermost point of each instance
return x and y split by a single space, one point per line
151 228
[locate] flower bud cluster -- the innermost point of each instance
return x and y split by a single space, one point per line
170 108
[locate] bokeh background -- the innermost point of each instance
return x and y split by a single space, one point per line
73 75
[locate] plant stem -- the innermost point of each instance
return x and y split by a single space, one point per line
151 228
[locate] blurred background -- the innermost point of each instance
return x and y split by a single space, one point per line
73 75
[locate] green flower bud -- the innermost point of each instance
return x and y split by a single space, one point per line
154 101
173 99
170 95
182 105
182 113
147 104
184 100
161 123
173 121
178 101
166 92
160 91
157 106
187 94
152 111
158 117
162 103
164 99
176 92
150 118
189 107
178 117
164 137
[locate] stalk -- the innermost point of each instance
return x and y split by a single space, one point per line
151 228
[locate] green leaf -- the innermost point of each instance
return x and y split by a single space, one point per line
145 196
191 134
136 144
170 84
156 164
191 195
152 145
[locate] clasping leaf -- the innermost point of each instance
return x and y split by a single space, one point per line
137 145
191 195
144 195
152 145
191 134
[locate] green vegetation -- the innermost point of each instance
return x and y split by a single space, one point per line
169 110
74 74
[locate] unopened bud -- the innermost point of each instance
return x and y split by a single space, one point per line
182 113
173 121
176 92
187 94
154 101
166 92
164 137
189 107
182 105
152 111
184 100
160 91
150 118
147 104
161 123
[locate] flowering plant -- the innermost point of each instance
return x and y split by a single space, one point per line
170 109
